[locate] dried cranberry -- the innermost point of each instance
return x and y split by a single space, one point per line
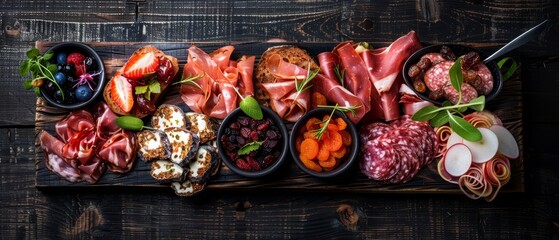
242 164
268 160
271 134
241 141
419 85
253 163
254 135
245 132
273 143
263 126
234 125
232 155
244 121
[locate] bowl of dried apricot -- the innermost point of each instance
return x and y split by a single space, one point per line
324 143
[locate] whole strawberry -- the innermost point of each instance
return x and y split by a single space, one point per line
77 59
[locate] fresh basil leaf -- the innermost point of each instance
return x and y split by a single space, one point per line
37 91
479 103
461 109
24 68
425 113
249 147
140 89
52 68
130 123
511 70
34 68
463 128
250 107
440 119
28 84
48 55
154 87
455 73
32 53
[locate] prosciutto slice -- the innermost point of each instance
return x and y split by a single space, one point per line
217 95
356 77
84 145
284 99
412 103
384 66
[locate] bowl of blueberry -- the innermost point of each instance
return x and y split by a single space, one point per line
80 76
252 148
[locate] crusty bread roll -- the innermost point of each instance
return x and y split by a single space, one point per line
291 54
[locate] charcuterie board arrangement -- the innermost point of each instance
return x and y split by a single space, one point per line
420 159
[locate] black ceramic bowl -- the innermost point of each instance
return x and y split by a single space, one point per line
71 47
282 143
348 160
458 50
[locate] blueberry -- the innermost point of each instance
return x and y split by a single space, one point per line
83 93
61 58
60 78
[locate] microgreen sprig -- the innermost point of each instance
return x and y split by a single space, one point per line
342 108
249 147
191 80
303 85
320 131
40 69
452 113
339 74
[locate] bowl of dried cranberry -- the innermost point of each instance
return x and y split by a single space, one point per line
323 143
426 72
252 148
79 79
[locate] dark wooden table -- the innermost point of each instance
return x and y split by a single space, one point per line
26 213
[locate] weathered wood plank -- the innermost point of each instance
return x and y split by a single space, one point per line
508 106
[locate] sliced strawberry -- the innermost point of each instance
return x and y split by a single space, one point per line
121 93
143 62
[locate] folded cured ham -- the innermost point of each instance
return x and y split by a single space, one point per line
214 93
86 143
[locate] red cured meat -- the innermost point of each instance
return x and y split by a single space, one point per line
79 150
221 76
413 144
437 76
328 62
373 130
411 102
468 93
283 94
486 78
384 65
379 160
356 77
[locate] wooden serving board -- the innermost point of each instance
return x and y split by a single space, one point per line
508 106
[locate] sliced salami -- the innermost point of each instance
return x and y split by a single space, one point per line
437 76
379 161
373 130
434 57
468 93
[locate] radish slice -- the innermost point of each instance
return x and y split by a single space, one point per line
454 138
507 144
486 148
457 159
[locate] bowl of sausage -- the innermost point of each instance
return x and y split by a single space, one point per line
427 73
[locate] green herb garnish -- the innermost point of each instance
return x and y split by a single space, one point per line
303 85
190 80
343 109
249 147
250 107
452 114
40 69
319 132
512 68
131 123
152 87
339 75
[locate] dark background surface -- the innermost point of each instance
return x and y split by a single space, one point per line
26 213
